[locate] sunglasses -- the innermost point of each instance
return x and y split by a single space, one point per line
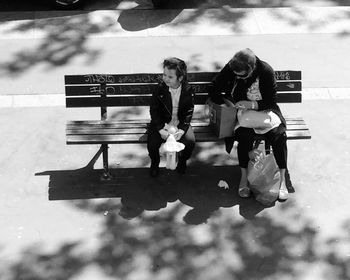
243 76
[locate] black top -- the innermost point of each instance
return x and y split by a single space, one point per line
161 107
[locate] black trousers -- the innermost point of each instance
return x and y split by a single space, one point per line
154 141
276 137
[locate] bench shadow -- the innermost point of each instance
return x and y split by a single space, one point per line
138 192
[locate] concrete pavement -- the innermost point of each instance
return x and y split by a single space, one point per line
39 48
212 229
183 227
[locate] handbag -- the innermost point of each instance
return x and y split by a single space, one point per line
254 119
264 177
222 118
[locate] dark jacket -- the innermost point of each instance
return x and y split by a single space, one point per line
227 79
161 107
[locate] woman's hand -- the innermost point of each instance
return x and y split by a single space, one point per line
163 133
179 134
245 105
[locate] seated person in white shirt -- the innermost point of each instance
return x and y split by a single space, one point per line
172 104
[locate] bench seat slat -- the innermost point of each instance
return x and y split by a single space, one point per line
125 139
138 129
126 126
144 122
298 134
105 131
111 121
135 138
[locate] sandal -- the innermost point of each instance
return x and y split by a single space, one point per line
244 192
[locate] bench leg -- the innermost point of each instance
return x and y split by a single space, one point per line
92 162
106 174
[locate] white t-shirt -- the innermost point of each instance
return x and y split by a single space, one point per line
175 97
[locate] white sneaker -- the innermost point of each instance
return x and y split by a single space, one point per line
283 193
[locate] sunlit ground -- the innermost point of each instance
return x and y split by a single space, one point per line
177 227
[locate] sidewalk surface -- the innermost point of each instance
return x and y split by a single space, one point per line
59 221
39 48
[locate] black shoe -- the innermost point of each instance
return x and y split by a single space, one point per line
154 170
181 166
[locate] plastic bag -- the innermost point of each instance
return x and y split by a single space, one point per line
171 147
264 177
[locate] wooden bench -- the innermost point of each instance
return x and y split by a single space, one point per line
131 90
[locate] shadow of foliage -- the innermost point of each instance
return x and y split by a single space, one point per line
65 35
64 39
299 16
158 245
156 230
63 264
135 19
183 227
207 4
44 5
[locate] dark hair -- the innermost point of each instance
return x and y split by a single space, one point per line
178 65
243 60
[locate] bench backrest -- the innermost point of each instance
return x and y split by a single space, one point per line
109 90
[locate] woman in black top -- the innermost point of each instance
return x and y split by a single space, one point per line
250 84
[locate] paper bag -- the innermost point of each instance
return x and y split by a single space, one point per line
222 119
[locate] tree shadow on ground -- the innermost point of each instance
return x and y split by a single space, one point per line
181 227
299 16
296 16
65 35
190 4
63 264
64 38
136 20
160 243
45 5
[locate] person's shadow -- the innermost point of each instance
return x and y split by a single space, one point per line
207 198
138 192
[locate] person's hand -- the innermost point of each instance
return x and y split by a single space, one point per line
244 105
179 134
255 155
164 134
